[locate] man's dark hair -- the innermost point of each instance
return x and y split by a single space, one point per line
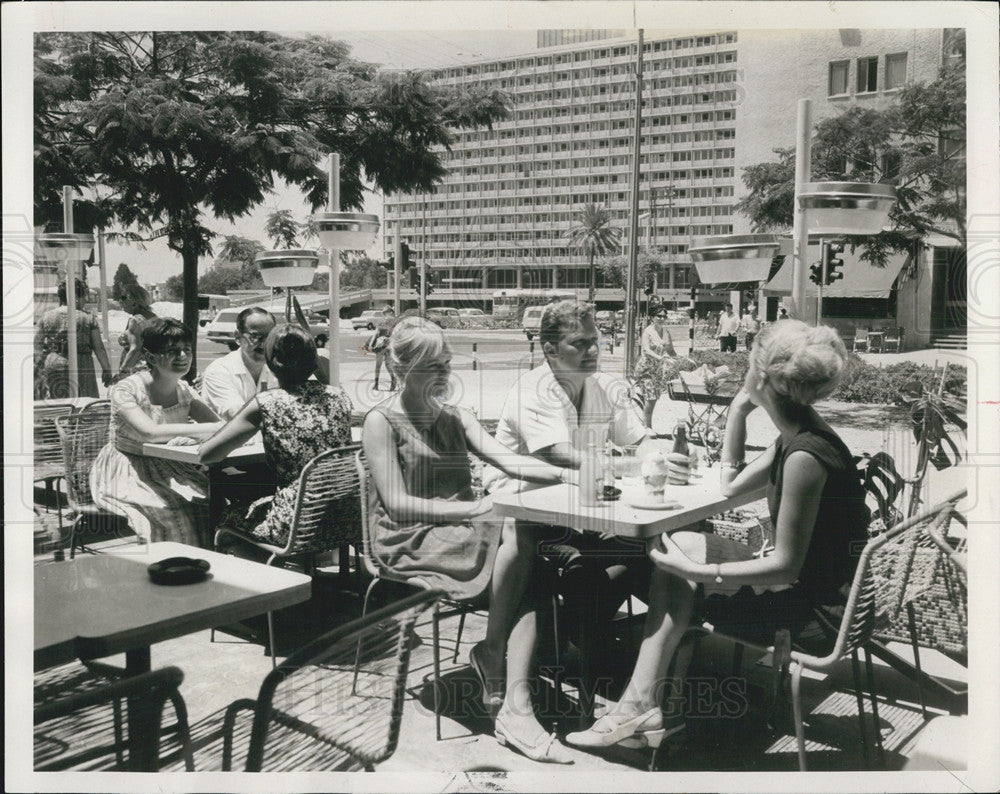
241 318
560 317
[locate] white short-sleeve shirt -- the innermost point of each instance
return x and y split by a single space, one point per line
537 413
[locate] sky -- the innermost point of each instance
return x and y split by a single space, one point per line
391 49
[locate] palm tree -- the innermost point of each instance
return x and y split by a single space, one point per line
282 229
594 234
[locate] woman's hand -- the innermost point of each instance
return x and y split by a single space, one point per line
182 441
672 560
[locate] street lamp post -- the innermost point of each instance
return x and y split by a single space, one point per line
341 231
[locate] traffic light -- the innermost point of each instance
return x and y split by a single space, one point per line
390 263
816 268
428 286
406 260
834 261
649 288
415 279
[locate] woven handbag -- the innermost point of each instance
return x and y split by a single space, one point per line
743 526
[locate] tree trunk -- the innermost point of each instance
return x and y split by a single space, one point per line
189 279
593 279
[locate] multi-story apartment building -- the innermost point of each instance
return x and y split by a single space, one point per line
713 103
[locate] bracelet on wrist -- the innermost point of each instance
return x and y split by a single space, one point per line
733 464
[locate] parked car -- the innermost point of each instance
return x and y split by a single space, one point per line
607 321
444 316
368 319
471 313
531 321
222 329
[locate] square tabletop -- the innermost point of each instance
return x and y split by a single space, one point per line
559 505
101 604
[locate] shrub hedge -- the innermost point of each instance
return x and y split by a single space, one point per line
862 382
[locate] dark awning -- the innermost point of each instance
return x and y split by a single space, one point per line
860 280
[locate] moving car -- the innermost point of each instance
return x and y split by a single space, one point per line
222 330
471 313
368 319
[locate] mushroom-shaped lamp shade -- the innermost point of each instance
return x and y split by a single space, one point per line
734 257
63 247
294 268
346 231
838 208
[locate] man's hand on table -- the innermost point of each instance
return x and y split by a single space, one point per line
182 441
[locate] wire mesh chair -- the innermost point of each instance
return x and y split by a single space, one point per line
82 436
327 516
308 716
930 607
48 457
379 572
85 730
874 600
860 340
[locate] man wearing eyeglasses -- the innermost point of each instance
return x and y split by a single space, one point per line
233 379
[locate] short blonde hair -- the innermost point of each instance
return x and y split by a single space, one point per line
413 342
803 364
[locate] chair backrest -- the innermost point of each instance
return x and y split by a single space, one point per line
102 407
83 731
368 495
326 513
881 581
310 715
860 334
46 437
892 334
82 436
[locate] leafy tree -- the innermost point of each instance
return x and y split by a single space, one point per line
124 284
594 234
615 269
364 273
174 288
282 229
917 145
167 130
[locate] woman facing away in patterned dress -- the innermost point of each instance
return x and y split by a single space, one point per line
162 499
298 420
650 370
136 303
817 507
51 350
426 520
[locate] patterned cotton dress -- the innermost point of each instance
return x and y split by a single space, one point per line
435 463
653 374
297 424
162 499
52 345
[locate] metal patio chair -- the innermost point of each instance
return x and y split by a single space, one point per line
327 516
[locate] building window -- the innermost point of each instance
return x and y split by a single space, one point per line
867 75
838 78
895 70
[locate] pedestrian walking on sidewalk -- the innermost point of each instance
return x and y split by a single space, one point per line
729 324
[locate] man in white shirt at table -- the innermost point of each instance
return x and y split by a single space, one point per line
230 381
540 414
